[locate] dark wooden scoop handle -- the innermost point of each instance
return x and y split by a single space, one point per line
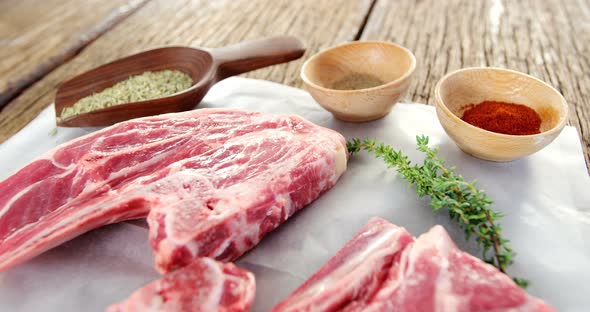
250 55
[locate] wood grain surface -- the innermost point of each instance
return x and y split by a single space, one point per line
37 36
199 23
549 39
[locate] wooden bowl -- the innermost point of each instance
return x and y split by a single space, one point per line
475 85
388 63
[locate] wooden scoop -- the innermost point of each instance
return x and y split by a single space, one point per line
204 66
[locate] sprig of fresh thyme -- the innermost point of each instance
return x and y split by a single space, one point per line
466 204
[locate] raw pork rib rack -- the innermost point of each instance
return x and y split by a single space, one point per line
214 182
204 285
383 269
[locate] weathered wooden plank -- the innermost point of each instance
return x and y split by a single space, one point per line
37 36
200 23
549 39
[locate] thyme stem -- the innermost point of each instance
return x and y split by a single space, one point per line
466 204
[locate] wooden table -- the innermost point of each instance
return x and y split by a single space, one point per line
42 43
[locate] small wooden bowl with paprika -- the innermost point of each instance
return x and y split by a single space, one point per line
518 130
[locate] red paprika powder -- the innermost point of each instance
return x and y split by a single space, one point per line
505 118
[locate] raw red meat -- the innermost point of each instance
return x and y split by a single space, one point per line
223 177
431 274
354 274
434 275
204 285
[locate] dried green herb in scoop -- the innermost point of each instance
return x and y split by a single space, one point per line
147 86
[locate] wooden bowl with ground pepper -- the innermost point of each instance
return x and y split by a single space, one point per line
359 81
499 114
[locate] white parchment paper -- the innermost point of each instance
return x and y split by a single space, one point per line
546 198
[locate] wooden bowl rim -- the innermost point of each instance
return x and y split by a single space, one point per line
440 103
391 83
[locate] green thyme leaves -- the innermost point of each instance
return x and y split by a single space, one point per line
467 205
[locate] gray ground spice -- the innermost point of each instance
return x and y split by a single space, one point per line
357 81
